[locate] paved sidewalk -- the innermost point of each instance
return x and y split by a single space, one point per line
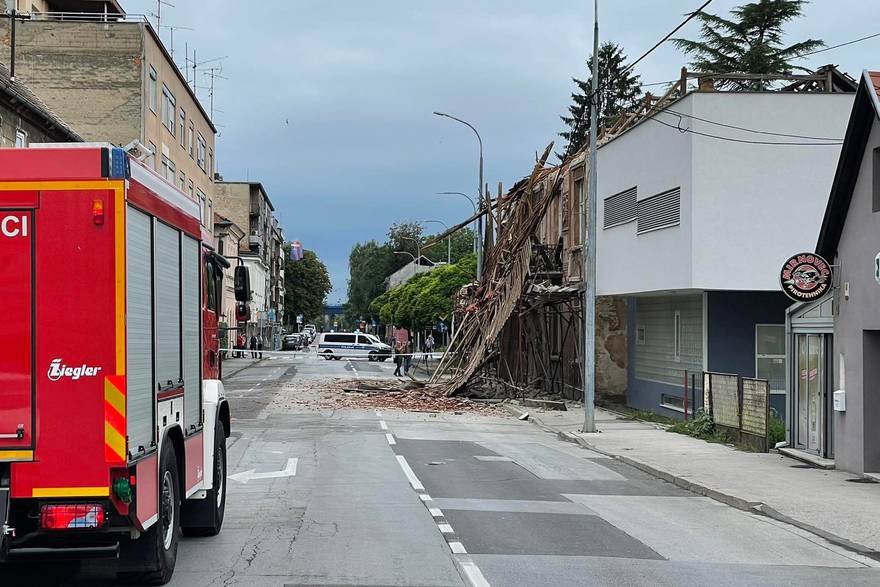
835 505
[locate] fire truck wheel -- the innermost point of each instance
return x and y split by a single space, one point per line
162 538
207 514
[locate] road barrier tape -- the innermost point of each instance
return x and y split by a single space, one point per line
248 354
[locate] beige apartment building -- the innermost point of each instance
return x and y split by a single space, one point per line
109 76
227 237
248 205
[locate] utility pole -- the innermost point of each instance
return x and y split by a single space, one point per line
588 229
12 48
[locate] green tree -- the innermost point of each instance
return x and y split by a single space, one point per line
368 266
402 236
306 285
422 300
462 245
749 42
617 91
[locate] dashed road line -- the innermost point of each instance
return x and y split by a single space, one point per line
471 572
383 425
390 438
410 474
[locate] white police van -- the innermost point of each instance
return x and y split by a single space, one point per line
336 345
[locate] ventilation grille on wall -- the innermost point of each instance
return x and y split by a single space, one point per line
620 208
660 211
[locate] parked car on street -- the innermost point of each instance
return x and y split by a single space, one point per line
335 345
293 342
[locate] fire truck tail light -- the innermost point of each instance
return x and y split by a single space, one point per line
98 212
72 516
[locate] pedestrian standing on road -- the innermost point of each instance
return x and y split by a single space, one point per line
253 346
429 344
399 349
260 343
407 358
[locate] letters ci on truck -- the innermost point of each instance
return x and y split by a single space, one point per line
112 438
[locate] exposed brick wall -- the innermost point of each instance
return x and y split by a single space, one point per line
90 74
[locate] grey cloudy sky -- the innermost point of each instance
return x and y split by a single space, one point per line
329 103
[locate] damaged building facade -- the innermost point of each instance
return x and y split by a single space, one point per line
702 194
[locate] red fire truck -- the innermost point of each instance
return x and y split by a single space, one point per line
113 420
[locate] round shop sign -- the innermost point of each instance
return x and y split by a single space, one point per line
805 277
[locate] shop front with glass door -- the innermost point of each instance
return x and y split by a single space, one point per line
811 378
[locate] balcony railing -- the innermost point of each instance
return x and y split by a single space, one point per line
84 17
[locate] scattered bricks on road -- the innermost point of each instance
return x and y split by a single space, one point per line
382 395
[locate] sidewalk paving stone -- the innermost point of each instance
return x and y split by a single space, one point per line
835 505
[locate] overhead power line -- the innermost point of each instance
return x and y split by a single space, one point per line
752 130
836 46
690 17
629 67
747 141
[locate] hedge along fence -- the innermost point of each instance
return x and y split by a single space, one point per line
739 405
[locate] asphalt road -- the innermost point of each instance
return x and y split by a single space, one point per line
422 499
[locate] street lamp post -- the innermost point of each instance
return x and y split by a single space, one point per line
418 257
480 198
448 240
474 204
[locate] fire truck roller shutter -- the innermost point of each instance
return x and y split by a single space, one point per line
168 341
192 328
139 335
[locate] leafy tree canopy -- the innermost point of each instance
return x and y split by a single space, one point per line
748 42
427 297
306 285
617 91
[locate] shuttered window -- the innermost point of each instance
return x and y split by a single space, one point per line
167 292
620 208
191 311
139 331
674 341
660 211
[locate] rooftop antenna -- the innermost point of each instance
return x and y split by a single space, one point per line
172 29
213 73
196 63
158 14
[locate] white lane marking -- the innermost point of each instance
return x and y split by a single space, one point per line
378 414
288 471
436 512
457 548
474 575
383 425
425 497
446 528
410 475
390 438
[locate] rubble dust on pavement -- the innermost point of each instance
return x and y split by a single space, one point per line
374 394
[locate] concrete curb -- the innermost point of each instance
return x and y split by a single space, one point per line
719 496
